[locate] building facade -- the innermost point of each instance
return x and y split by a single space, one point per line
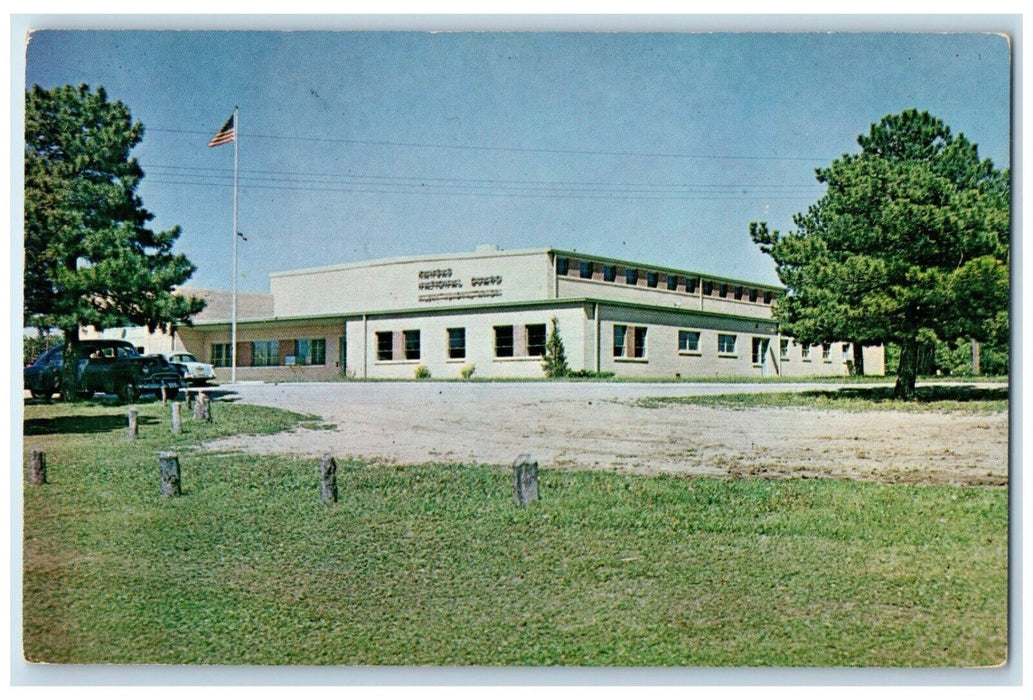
490 312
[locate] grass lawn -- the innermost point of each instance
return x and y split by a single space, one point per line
436 565
945 398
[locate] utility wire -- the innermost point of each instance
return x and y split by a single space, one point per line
484 192
506 149
256 175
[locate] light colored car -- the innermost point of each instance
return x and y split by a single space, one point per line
190 368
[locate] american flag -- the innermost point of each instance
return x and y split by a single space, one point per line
224 135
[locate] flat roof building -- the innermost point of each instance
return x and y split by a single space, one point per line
491 310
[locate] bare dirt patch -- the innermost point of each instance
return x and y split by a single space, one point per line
575 427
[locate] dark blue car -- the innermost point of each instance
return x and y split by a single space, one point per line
107 366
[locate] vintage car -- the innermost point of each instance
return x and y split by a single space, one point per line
190 368
108 366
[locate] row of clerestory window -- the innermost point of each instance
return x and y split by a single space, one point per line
587 269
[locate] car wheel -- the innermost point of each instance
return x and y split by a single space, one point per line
127 392
40 395
172 393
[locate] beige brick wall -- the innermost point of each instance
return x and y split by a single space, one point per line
480 343
450 281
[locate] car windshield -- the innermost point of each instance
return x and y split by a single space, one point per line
49 357
184 357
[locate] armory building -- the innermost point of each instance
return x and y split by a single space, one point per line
491 311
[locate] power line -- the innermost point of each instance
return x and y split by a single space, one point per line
509 149
256 174
484 187
484 192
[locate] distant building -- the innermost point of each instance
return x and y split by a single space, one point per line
218 305
491 310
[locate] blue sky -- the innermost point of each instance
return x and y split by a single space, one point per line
657 148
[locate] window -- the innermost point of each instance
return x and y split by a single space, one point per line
690 285
738 293
805 353
767 297
826 352
688 341
411 344
672 282
222 354
385 346
631 276
753 295
783 348
456 343
562 266
725 344
310 352
503 341
760 349
708 287
585 270
722 290
265 353
629 341
652 279
610 273
846 351
535 339
619 337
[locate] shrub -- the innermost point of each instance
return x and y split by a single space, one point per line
467 371
588 374
422 372
555 363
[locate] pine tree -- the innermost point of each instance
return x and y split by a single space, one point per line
555 362
909 245
90 259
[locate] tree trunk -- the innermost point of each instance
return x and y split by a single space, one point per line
69 384
858 360
907 371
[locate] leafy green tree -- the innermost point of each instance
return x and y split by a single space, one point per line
909 245
555 363
90 259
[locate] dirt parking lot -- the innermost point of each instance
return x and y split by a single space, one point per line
598 426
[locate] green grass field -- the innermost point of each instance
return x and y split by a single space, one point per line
945 398
435 565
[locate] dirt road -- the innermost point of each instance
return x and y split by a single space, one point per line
598 426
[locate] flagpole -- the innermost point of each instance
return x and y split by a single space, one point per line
233 303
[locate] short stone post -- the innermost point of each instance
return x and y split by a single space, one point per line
38 467
164 395
177 425
328 479
168 463
134 418
190 400
525 480
203 408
